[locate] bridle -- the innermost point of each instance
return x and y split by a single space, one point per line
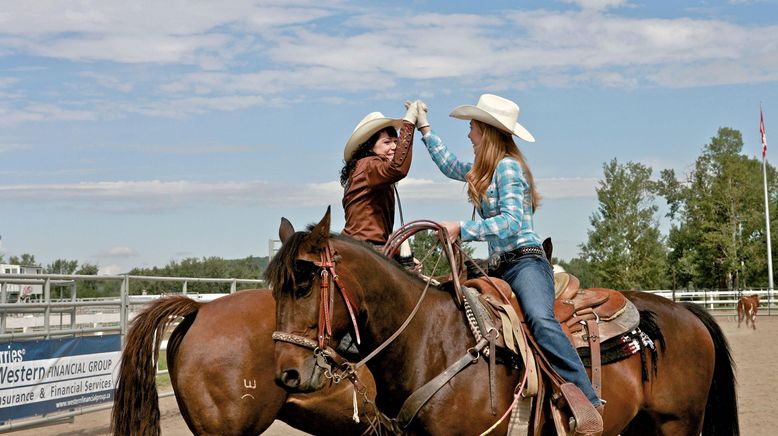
326 356
329 280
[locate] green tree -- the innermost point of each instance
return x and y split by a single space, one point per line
26 259
62 266
88 269
210 267
427 249
90 288
718 238
581 269
625 247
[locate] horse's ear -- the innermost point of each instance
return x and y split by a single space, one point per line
285 230
320 233
548 247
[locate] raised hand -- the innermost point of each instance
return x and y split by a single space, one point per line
421 120
411 113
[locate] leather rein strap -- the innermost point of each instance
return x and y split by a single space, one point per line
327 300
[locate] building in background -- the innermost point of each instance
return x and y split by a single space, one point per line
20 291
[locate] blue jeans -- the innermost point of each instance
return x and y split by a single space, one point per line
532 280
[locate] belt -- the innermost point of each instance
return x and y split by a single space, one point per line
515 254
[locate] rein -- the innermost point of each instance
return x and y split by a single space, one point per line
327 300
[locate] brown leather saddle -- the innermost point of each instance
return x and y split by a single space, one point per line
588 316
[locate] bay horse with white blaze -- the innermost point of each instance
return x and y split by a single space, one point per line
221 364
688 387
747 307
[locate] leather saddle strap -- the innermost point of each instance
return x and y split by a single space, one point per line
488 330
419 398
492 338
593 331
524 348
545 366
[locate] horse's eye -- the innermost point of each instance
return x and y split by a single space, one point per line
302 292
303 280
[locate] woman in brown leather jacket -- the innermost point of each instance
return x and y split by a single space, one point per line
375 158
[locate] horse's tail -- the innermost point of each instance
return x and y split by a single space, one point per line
136 404
721 410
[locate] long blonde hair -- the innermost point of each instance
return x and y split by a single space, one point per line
495 145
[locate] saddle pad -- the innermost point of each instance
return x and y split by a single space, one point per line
624 322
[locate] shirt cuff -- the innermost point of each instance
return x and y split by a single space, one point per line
468 230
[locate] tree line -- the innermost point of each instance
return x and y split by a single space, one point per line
717 237
59 266
250 267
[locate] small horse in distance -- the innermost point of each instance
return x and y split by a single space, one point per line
686 388
221 365
747 307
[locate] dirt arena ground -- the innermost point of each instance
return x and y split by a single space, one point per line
755 354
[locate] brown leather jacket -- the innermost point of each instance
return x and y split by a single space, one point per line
368 197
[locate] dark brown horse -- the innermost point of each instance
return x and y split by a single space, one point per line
747 307
688 387
221 364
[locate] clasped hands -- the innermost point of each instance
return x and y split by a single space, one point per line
416 113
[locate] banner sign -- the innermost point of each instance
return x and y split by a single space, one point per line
43 376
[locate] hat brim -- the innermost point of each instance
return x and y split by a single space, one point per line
470 112
365 131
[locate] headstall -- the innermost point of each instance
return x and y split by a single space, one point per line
329 279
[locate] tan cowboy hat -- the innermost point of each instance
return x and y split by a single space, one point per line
497 112
373 122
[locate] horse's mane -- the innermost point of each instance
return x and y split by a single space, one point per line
281 266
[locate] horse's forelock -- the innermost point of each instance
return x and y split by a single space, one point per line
281 266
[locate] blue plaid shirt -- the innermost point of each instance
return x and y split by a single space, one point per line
506 211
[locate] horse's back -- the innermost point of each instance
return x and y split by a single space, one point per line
685 348
224 375
679 377
223 370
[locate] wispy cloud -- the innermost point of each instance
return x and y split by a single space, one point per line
160 196
110 82
175 31
215 57
597 4
6 147
110 270
7 81
118 251
43 111
205 149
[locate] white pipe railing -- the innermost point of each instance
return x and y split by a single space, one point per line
80 317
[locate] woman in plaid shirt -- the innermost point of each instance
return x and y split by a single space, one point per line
500 185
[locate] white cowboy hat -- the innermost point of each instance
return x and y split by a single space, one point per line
497 112
373 122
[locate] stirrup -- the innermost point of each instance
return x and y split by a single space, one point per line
586 421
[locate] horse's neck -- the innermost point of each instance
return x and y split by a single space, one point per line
435 337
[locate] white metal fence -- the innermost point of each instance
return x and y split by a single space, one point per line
61 313
723 302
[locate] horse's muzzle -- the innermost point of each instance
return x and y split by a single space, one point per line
289 379
305 378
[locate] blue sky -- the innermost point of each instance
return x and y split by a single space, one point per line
133 133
